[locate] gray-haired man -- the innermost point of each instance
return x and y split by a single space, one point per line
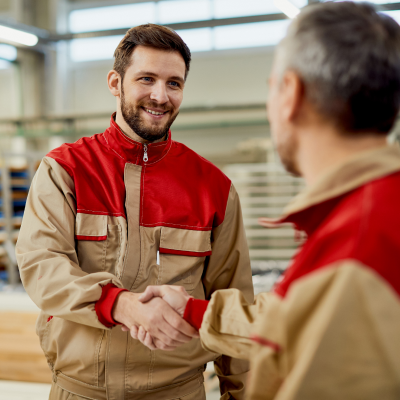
331 327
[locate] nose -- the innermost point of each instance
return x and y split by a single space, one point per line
159 93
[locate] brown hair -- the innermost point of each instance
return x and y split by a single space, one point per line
150 35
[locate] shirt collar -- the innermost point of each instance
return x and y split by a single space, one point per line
308 209
132 151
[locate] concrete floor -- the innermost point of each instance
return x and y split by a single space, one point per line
10 390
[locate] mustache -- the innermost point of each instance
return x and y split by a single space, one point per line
155 105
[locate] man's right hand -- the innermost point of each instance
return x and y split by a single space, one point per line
164 325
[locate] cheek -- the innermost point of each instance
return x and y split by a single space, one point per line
176 99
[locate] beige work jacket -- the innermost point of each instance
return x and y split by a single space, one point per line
98 212
331 328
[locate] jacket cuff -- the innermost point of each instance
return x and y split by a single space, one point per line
105 304
194 312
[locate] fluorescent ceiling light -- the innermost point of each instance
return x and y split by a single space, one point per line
16 36
287 8
8 52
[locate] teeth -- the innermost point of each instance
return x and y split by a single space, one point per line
154 112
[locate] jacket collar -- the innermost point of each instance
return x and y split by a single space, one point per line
307 210
132 151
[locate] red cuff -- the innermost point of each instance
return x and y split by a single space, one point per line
194 312
105 304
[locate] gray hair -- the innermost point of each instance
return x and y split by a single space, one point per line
348 56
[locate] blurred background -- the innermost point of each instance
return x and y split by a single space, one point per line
54 58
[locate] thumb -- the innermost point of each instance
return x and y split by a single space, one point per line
149 293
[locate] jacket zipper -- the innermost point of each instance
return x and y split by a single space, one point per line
145 156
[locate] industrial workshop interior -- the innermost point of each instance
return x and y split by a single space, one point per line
54 60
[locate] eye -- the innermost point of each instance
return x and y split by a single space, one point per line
146 79
174 84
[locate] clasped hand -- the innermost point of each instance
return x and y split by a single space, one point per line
155 317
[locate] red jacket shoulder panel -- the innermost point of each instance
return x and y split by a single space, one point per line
361 225
97 173
183 190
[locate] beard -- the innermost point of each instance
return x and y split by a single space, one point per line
287 151
147 131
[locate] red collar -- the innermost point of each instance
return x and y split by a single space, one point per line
132 151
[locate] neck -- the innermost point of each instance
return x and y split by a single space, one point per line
128 131
322 148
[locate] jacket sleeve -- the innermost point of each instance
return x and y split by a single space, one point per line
46 252
334 336
229 267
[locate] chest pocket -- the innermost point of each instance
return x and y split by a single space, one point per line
100 242
182 256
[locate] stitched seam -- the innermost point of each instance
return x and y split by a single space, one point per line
112 148
78 382
128 241
76 394
152 362
97 358
162 156
142 194
191 226
100 212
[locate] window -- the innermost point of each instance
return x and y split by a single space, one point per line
90 49
197 39
8 52
113 17
184 11
250 35
394 14
175 11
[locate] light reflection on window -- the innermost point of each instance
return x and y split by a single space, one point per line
112 17
90 49
184 11
197 39
250 35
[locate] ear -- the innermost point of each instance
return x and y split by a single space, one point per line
114 83
293 95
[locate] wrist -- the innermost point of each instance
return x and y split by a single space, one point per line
123 303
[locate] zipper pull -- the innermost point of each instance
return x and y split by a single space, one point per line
145 156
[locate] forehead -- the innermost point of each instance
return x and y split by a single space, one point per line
160 62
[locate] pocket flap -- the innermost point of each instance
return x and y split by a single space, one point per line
185 242
91 227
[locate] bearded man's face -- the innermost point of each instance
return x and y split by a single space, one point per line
152 91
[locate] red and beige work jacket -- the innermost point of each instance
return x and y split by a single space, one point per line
107 211
331 328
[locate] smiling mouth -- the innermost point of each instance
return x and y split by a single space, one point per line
154 112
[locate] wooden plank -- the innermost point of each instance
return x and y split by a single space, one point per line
21 357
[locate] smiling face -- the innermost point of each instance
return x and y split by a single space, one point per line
152 91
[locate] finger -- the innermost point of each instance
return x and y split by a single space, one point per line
149 342
134 332
124 328
179 324
180 289
162 346
166 335
149 293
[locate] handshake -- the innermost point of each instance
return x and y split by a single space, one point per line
155 317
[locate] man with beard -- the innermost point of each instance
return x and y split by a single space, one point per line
330 329
111 214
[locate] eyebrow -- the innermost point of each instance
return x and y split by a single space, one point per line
174 78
